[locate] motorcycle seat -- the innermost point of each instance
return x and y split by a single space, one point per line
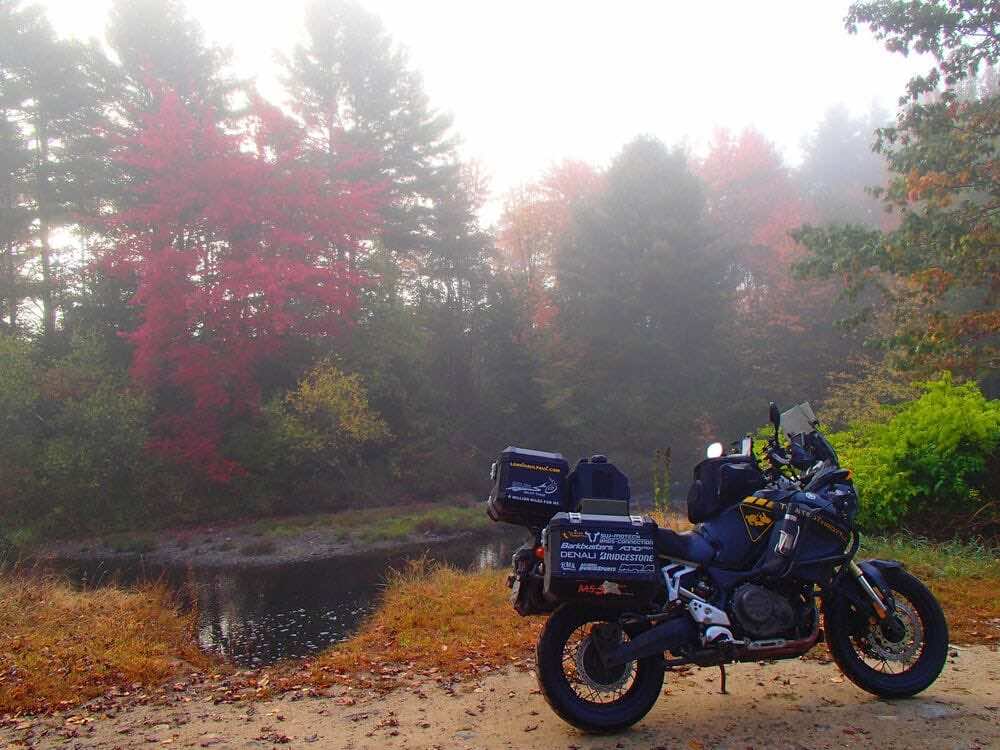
689 546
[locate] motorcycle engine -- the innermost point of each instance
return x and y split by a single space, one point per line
762 613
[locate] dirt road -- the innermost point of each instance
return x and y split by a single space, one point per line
795 704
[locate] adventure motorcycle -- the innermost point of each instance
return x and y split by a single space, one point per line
774 547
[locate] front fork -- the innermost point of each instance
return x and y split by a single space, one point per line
876 598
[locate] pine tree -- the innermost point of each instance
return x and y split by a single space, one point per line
367 113
53 101
14 220
640 300
365 107
160 47
839 166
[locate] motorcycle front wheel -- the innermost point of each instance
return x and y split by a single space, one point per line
896 659
577 685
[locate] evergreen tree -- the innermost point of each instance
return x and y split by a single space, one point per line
839 166
160 46
367 112
366 107
640 300
15 219
53 100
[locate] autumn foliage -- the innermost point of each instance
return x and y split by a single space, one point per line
234 246
536 219
755 203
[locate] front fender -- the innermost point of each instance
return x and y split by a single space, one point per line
873 572
846 586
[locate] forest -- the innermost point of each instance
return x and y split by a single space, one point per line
215 306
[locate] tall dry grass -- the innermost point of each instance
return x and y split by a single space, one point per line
435 617
60 646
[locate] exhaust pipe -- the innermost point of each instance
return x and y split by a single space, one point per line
664 637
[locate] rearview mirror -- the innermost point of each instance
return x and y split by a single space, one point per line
714 450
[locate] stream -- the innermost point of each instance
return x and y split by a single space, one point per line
258 615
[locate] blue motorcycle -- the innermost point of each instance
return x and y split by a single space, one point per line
773 548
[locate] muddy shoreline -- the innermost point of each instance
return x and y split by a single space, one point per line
245 545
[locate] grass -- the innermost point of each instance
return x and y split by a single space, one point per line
964 576
371 525
434 618
440 520
62 647
259 547
453 622
954 559
132 543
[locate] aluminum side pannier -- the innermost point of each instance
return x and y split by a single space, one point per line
609 560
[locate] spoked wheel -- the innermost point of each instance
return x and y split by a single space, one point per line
587 676
895 647
896 658
579 687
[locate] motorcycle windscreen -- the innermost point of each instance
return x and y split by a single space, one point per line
799 420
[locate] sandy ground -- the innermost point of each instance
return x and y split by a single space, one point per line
792 704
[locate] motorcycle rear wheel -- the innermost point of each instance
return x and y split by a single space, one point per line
886 665
579 688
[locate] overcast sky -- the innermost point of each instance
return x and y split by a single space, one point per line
531 83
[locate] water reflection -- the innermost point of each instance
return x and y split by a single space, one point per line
256 616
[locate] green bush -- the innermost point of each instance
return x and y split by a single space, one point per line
931 456
72 458
312 446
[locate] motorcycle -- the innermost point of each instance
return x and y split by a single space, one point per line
768 571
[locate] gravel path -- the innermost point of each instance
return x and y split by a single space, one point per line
792 704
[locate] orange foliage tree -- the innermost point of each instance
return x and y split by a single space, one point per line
534 218
754 203
785 334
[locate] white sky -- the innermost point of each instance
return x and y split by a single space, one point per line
531 83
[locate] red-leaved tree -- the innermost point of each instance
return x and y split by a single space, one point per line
755 204
234 246
535 219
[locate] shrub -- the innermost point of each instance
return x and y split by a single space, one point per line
74 432
930 458
323 429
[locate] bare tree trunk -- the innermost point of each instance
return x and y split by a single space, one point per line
9 260
9 198
44 225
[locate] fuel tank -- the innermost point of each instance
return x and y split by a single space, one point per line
741 533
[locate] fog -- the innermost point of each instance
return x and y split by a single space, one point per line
531 83
353 258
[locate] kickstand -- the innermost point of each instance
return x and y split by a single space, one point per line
722 674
